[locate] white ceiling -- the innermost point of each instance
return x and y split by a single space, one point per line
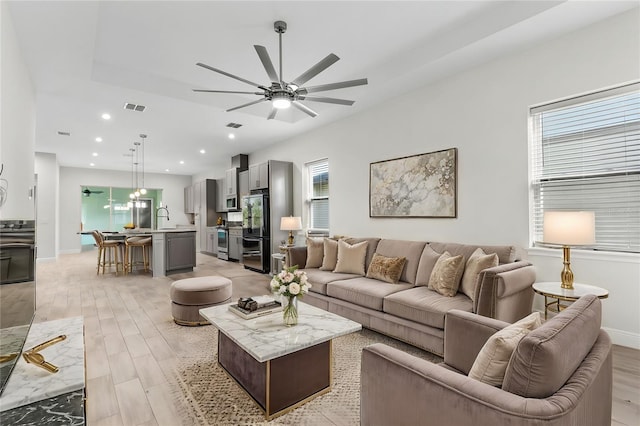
87 58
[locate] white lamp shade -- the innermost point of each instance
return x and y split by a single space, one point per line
569 228
290 223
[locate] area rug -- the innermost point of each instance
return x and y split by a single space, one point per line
207 396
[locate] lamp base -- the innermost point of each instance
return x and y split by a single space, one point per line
290 240
566 276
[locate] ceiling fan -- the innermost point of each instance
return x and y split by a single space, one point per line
87 192
284 94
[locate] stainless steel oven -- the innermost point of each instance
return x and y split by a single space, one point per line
223 243
17 251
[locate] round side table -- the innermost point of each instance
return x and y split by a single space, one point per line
555 291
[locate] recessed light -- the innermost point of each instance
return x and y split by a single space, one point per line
95 154
202 151
181 162
232 136
106 116
92 164
98 139
166 170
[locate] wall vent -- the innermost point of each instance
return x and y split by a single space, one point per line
64 133
134 107
234 125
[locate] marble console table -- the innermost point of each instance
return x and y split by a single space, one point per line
30 384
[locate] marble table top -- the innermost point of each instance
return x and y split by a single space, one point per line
29 383
266 337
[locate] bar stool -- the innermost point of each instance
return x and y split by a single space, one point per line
112 247
133 242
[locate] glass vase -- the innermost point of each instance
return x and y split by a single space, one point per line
290 311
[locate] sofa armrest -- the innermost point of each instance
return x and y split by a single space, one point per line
505 292
465 334
400 389
296 256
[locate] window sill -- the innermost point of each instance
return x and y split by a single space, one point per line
608 256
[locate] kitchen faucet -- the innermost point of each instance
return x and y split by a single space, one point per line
158 214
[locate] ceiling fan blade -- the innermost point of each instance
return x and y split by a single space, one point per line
316 69
200 64
266 62
326 100
247 104
304 108
333 86
272 114
227 91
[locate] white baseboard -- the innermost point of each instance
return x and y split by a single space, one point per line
70 251
623 338
46 259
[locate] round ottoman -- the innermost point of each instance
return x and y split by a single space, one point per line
190 295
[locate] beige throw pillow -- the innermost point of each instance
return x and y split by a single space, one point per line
386 269
492 360
330 254
351 258
478 262
446 274
315 252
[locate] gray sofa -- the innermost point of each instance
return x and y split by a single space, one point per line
559 374
408 310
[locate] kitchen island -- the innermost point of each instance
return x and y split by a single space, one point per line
174 250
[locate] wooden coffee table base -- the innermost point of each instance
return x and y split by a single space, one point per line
281 384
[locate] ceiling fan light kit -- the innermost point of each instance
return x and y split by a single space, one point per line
282 94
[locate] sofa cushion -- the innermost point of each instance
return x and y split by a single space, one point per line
330 254
506 254
363 291
351 257
428 260
546 358
315 252
425 306
492 360
410 250
386 269
372 245
319 279
446 274
477 262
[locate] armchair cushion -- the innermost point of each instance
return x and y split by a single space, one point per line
491 362
546 358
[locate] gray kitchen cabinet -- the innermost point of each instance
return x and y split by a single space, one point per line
235 243
243 183
212 237
220 197
188 199
180 251
259 176
231 182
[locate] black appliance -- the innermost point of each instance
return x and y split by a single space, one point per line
255 232
17 251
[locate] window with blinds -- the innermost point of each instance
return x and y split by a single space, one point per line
585 156
318 195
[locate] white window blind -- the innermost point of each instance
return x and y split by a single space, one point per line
585 155
318 195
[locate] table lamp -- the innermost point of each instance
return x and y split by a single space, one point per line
290 223
569 229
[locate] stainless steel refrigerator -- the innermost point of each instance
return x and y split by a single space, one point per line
256 232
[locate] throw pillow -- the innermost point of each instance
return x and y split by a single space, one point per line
446 274
478 262
330 255
315 252
351 258
492 360
386 269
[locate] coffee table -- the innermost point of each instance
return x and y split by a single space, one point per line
280 367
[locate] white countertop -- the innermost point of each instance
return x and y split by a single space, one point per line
29 383
266 337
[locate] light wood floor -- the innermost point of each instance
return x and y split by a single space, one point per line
126 353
